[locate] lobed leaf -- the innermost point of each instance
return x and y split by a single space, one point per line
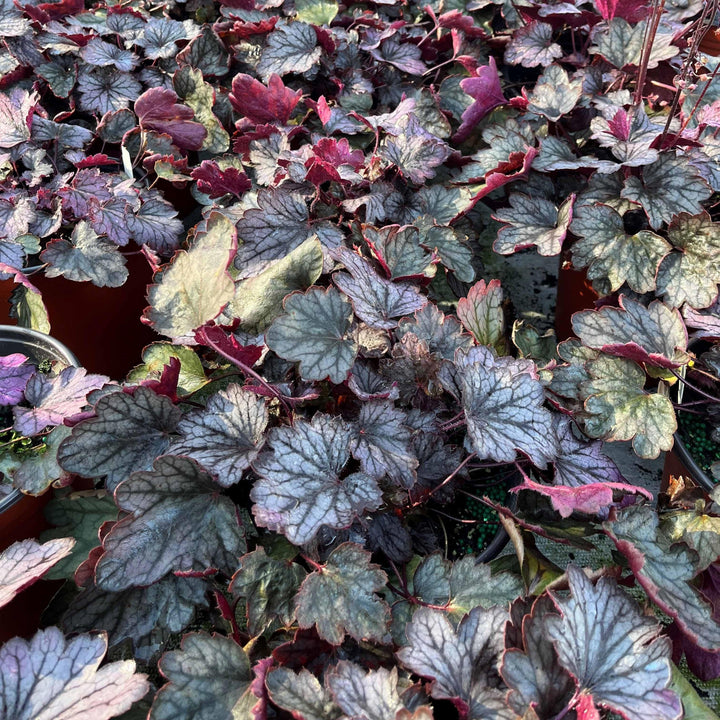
300 487
614 652
481 313
314 331
340 598
178 522
196 286
51 678
225 436
127 434
26 561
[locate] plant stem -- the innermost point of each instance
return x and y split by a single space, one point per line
445 481
694 388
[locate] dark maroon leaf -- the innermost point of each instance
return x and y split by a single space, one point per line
263 104
216 183
158 110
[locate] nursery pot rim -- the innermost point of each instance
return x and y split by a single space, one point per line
33 339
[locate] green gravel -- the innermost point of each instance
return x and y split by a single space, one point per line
466 538
695 433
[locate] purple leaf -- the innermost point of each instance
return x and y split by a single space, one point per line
156 225
225 436
414 150
26 561
300 487
54 398
503 403
376 300
104 89
15 371
531 668
179 502
127 434
404 56
340 598
485 90
58 679
615 653
665 570
216 183
383 443
166 606
459 661
158 110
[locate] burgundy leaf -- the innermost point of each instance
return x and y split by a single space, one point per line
486 93
158 110
215 182
261 104
215 337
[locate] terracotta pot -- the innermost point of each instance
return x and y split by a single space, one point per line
21 516
102 325
574 293
710 44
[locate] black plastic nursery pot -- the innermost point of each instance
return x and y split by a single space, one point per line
21 516
102 325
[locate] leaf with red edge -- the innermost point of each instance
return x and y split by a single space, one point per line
15 371
484 88
16 117
127 434
459 662
666 571
52 398
376 300
176 501
51 678
655 334
340 598
481 313
261 104
591 498
24 562
215 182
158 110
196 286
613 651
302 486
208 677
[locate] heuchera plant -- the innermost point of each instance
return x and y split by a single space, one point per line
314 185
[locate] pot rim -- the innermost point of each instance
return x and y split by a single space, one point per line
41 344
